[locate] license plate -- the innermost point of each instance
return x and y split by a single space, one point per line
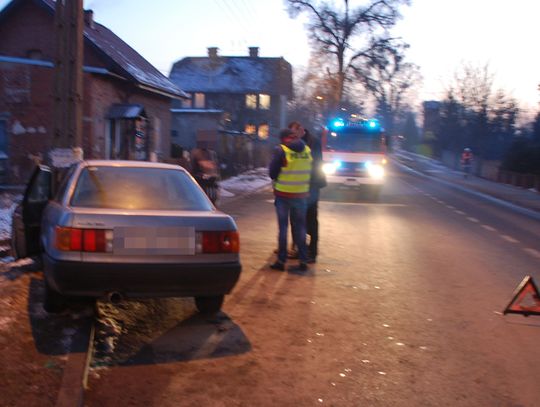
154 241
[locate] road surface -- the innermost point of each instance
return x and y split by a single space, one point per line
402 309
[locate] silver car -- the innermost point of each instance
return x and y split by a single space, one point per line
127 229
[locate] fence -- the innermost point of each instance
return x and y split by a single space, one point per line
489 169
529 181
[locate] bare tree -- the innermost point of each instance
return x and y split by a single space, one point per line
485 117
348 36
388 78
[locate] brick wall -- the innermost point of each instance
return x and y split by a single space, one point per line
25 103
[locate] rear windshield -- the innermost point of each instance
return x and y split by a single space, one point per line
138 188
354 140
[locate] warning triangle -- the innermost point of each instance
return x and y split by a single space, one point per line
525 300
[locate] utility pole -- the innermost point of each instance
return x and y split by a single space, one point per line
68 84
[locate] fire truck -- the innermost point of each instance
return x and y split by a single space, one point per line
354 153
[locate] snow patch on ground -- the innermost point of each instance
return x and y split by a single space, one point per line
251 180
8 204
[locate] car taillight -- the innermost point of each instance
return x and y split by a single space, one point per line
86 240
220 242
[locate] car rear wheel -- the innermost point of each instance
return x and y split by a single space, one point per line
209 305
53 302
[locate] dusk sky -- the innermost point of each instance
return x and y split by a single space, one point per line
442 34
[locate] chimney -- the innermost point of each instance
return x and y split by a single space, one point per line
89 18
212 52
253 52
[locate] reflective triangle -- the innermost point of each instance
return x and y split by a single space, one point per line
525 300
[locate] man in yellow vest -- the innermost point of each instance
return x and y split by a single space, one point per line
290 169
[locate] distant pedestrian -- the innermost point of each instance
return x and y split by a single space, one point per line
290 169
205 169
466 161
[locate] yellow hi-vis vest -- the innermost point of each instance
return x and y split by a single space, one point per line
294 177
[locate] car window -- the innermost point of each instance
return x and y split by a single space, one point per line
40 188
65 178
138 188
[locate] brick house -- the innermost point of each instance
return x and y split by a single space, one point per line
126 101
234 94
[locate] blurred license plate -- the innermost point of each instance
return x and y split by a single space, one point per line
154 241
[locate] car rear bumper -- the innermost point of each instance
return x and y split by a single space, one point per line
140 280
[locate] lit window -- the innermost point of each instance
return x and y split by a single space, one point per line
263 132
250 128
186 103
251 101
198 101
264 101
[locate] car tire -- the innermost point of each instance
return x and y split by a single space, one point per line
209 305
53 302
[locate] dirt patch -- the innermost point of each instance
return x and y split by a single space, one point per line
33 344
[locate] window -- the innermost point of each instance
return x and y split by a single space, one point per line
187 103
138 188
198 101
263 132
251 101
250 128
264 101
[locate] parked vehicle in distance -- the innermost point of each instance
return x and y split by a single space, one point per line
127 229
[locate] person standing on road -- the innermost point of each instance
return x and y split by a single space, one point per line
317 181
290 169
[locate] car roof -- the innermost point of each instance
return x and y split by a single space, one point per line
126 163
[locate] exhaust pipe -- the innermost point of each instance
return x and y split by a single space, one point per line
114 297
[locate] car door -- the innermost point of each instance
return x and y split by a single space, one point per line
36 197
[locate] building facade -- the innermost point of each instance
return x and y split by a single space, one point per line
246 94
126 101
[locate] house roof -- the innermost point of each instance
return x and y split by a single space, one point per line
233 75
119 57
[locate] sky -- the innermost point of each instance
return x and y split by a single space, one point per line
443 34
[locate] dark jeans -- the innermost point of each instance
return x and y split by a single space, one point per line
312 228
296 208
312 223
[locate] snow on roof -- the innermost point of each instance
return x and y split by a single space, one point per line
233 75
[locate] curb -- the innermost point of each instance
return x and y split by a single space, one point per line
74 379
226 201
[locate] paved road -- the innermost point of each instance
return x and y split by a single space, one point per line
403 309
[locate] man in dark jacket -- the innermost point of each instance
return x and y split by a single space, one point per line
317 181
290 169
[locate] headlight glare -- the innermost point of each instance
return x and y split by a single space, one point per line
329 168
376 171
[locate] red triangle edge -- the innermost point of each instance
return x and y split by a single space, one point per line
527 286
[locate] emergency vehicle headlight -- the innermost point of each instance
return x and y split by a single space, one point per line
330 168
376 171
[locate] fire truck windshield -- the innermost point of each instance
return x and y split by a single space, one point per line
355 140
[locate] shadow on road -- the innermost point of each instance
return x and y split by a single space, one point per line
197 337
58 334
